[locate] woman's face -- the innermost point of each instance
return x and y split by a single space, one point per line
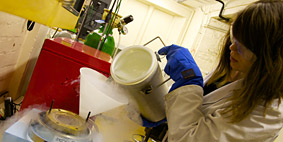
241 58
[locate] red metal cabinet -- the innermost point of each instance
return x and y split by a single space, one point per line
56 74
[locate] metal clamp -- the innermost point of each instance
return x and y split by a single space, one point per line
146 90
153 40
156 54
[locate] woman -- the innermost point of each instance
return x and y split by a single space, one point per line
245 102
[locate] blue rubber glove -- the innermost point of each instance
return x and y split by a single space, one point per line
149 124
181 66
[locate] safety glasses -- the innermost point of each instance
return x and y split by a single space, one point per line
242 50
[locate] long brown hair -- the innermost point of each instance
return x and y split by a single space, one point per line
260 28
223 69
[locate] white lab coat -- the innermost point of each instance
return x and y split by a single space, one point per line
194 118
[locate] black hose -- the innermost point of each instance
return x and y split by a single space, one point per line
3 93
221 11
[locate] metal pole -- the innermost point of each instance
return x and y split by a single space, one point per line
51 106
87 116
83 22
155 39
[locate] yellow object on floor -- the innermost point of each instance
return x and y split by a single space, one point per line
115 126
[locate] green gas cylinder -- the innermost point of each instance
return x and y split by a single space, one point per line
93 39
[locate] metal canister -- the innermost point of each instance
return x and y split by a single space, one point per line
136 68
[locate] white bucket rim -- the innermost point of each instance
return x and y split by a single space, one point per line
152 67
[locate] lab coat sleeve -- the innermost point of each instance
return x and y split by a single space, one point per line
183 113
188 123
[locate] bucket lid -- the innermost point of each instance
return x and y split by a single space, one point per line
133 65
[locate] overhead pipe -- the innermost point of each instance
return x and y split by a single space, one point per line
222 8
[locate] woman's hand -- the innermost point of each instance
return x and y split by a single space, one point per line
181 66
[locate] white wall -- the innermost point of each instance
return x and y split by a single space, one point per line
164 18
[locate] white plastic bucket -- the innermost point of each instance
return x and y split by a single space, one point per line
97 94
136 68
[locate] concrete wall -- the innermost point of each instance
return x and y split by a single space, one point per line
17 47
11 40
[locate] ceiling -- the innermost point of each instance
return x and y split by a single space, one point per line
198 3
